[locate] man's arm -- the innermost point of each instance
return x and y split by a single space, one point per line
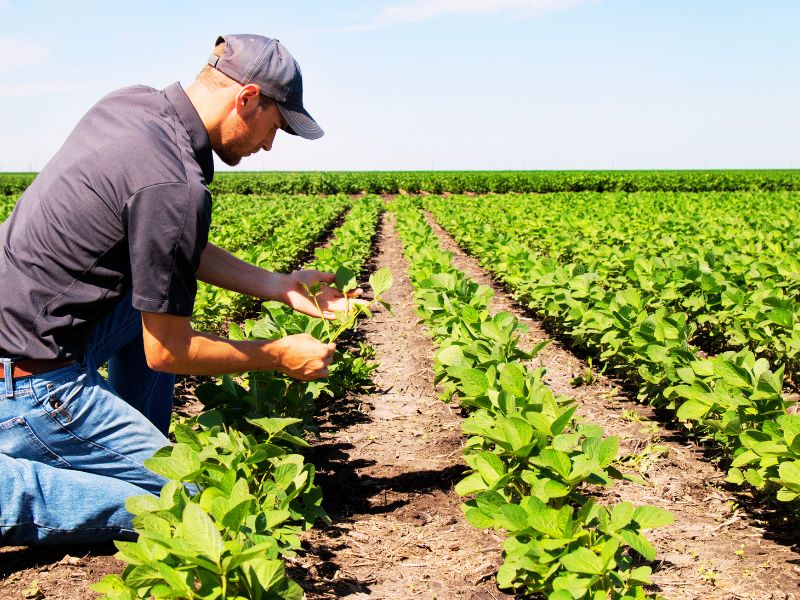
222 269
172 346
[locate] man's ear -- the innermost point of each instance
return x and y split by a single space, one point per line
247 100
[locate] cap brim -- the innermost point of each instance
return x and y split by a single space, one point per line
300 122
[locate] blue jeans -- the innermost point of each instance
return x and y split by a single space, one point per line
72 444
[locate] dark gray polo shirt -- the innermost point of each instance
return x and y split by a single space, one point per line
122 206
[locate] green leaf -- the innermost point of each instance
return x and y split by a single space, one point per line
186 435
641 575
145 503
380 281
639 543
692 410
512 379
451 356
474 383
518 432
703 367
182 465
345 279
113 587
782 316
544 519
144 576
555 460
789 472
735 476
732 373
273 425
268 572
583 560
235 333
263 549
478 519
471 484
234 518
512 518
621 515
200 532
177 580
607 451
562 421
490 467
649 517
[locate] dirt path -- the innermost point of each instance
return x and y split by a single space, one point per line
715 549
387 463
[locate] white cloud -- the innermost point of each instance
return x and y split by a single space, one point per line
18 53
415 11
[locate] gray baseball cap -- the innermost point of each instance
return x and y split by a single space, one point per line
267 63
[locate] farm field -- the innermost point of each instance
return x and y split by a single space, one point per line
578 393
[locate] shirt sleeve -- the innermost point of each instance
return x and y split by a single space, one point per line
167 227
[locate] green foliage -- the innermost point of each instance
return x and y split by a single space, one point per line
234 505
480 182
484 182
642 291
7 204
532 466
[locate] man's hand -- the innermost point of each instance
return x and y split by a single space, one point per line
329 299
304 357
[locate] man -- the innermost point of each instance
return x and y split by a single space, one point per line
99 262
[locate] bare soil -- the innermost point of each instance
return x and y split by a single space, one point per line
722 544
387 463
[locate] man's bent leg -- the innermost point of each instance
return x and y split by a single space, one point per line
43 504
70 418
118 340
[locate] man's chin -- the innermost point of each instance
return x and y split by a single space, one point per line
230 159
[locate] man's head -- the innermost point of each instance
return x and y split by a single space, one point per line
257 89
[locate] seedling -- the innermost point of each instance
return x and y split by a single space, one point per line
345 282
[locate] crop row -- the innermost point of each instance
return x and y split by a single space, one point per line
733 398
733 271
480 182
239 492
532 464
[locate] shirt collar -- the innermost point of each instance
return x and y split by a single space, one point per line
188 115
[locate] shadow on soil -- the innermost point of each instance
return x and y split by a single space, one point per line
31 557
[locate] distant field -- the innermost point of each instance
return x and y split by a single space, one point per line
479 182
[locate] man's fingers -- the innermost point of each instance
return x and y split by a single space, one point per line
355 293
326 277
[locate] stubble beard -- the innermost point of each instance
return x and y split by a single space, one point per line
231 150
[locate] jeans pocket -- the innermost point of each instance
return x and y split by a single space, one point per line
18 440
63 399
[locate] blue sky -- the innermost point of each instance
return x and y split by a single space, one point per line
441 84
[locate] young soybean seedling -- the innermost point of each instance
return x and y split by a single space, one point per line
345 282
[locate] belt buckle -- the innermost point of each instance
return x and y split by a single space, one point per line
8 375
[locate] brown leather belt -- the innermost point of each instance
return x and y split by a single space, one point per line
26 367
